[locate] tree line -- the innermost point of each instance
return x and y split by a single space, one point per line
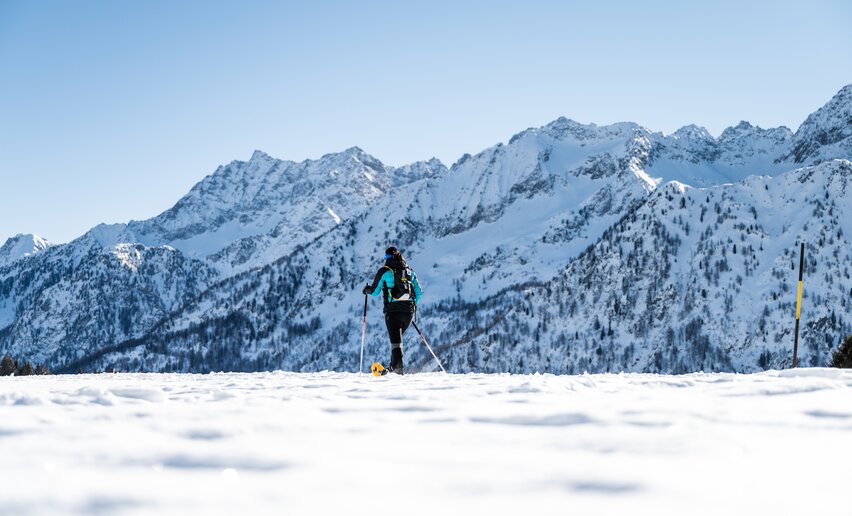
11 367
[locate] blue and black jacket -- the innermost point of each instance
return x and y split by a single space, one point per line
383 283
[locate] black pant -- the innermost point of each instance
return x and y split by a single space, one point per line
397 323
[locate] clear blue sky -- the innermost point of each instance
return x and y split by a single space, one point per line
112 110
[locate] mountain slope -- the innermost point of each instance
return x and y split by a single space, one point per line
247 214
73 299
825 134
282 247
695 279
672 286
21 246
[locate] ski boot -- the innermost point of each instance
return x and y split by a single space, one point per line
396 365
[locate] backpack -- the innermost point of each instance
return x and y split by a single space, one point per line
403 288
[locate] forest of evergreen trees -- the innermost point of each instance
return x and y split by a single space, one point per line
11 367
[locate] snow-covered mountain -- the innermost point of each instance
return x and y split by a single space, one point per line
249 213
269 254
827 133
694 279
21 246
73 299
672 286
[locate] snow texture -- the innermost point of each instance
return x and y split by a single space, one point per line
343 443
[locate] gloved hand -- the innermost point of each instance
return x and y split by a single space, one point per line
367 290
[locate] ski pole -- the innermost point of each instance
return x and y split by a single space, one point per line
363 332
427 346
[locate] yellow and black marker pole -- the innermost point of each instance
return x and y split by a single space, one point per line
798 306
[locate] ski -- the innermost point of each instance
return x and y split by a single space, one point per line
379 370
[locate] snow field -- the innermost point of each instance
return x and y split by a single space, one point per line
341 443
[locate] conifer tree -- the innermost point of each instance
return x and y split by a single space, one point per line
7 366
842 356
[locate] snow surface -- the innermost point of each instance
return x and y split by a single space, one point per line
342 443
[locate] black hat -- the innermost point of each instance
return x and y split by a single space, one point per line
391 251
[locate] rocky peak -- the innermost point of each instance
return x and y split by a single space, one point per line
742 129
742 142
259 155
692 133
22 246
826 133
563 129
418 170
692 143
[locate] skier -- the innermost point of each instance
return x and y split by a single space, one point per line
401 293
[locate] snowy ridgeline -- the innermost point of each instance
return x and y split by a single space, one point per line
338 443
571 247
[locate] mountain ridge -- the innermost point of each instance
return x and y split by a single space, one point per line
21 246
492 221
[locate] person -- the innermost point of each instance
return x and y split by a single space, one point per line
400 292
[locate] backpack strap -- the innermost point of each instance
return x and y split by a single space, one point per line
385 289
